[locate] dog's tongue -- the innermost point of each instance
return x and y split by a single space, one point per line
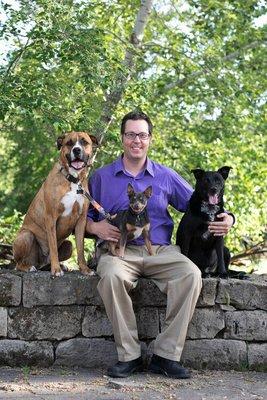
77 164
213 199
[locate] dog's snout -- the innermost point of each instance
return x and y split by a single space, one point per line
77 151
213 190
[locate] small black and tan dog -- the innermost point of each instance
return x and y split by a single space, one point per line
195 240
132 222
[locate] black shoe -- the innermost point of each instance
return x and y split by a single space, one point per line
172 369
125 368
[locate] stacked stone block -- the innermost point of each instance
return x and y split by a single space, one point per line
62 321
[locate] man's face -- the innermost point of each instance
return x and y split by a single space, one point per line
136 149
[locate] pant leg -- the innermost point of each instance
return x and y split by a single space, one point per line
117 278
180 279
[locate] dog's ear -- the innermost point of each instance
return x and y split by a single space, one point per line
148 192
94 140
130 190
224 171
198 173
60 141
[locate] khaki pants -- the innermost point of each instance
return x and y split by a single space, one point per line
173 273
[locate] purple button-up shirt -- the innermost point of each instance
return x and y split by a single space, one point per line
108 186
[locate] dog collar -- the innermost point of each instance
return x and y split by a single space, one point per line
210 210
136 214
138 219
68 176
81 191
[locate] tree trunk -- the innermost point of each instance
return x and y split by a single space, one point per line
124 75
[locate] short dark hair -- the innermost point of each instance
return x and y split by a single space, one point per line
136 115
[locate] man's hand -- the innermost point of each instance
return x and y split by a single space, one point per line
221 228
103 230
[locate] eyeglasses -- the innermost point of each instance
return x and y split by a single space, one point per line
141 135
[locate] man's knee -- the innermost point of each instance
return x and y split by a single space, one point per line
108 266
194 270
112 274
195 275
192 273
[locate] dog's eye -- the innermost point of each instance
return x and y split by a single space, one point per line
69 143
84 142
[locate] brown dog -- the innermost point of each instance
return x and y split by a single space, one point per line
57 210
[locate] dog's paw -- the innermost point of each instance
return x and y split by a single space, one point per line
88 272
61 273
64 268
57 273
32 269
206 275
120 254
223 275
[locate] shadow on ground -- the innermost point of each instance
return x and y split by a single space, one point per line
73 384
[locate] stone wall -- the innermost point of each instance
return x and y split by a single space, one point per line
62 321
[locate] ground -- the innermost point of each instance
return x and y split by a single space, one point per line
83 384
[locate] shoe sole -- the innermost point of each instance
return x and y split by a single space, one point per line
161 371
137 369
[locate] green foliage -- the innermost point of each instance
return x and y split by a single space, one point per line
199 74
9 227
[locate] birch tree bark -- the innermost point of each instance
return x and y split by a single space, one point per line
125 73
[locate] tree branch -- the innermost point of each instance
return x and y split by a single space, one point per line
15 61
229 57
257 249
123 76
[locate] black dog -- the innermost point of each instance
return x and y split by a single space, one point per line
196 242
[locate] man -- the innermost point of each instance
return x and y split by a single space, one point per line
171 271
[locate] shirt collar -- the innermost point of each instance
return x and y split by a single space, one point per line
149 167
119 167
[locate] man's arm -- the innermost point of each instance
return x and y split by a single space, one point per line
103 230
221 228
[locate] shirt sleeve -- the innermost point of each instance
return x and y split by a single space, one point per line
181 192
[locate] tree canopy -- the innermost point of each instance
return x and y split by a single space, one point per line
197 69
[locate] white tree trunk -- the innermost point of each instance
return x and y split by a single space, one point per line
115 95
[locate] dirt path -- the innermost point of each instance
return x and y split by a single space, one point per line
82 384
